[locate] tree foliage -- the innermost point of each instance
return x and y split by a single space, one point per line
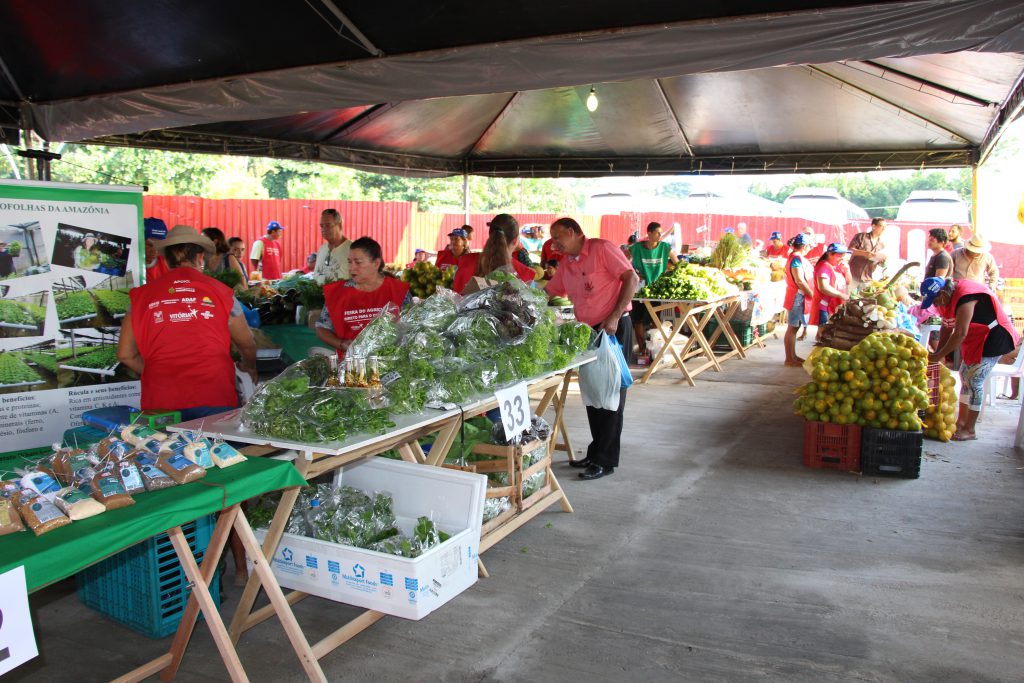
879 195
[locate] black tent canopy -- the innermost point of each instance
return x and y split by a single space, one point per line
453 87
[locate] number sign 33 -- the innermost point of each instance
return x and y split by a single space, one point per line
514 406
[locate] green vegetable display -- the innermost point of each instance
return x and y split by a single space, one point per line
14 371
688 282
306 291
97 360
17 313
75 305
424 278
730 252
80 350
289 407
114 300
230 277
47 361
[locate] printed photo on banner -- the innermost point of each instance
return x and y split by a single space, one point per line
112 296
28 368
22 251
23 316
75 306
89 356
88 249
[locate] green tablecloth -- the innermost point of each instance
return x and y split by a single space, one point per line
295 340
64 552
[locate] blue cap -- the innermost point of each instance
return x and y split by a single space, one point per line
274 225
731 231
155 228
837 248
458 232
775 236
799 240
930 288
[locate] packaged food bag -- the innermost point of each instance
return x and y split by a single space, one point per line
153 477
10 520
77 504
179 468
108 489
139 434
225 455
39 514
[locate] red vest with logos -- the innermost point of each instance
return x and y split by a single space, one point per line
158 268
974 343
791 288
822 301
271 260
352 309
468 265
180 322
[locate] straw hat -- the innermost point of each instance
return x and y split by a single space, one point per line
979 245
186 234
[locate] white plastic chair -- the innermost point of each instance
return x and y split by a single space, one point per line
1005 373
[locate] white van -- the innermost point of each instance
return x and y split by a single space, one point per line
935 206
823 204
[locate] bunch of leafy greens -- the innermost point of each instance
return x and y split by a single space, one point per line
75 305
14 371
114 300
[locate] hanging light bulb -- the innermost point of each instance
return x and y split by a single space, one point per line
592 99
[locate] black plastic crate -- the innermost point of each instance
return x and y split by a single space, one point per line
891 452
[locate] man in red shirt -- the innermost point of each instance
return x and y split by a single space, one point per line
266 253
179 331
549 251
600 281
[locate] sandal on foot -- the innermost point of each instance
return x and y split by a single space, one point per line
959 436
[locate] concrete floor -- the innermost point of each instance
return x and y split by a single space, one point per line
710 555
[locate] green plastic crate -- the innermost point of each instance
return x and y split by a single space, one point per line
144 587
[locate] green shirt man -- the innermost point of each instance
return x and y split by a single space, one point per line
651 258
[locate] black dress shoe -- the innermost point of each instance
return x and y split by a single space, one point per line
596 472
585 462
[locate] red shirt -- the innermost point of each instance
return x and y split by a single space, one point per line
180 322
801 262
467 269
773 251
159 268
549 251
445 257
351 309
591 280
821 301
973 345
271 259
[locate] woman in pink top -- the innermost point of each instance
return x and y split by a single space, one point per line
829 285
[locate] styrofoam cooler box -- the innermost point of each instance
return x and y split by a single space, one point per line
399 586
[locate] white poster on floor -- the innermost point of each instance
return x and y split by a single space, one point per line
68 256
17 639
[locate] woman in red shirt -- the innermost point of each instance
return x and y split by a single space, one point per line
179 330
458 246
798 293
829 285
352 304
500 249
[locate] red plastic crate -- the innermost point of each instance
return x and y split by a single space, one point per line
832 446
934 378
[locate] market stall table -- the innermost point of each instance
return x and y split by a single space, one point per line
694 317
65 551
317 459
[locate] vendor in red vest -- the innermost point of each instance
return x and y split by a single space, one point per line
179 330
799 293
155 230
499 250
829 285
266 253
458 245
981 330
352 304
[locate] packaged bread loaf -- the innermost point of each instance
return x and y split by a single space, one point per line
225 455
140 434
179 468
39 514
78 504
152 476
108 489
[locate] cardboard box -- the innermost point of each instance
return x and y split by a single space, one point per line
399 586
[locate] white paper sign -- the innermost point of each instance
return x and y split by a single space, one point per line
514 405
17 639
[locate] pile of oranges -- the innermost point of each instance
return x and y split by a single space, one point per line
881 382
940 420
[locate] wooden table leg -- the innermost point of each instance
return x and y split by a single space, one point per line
211 559
444 441
559 423
697 328
265 575
668 347
201 594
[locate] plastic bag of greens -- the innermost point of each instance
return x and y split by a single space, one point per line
435 313
452 383
534 483
474 333
426 344
379 337
495 506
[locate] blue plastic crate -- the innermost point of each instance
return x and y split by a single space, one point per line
83 437
144 587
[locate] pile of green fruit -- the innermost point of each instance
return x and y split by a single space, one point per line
688 282
560 301
424 278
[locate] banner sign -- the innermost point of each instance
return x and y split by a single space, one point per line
68 256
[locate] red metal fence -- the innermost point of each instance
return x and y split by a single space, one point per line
401 228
